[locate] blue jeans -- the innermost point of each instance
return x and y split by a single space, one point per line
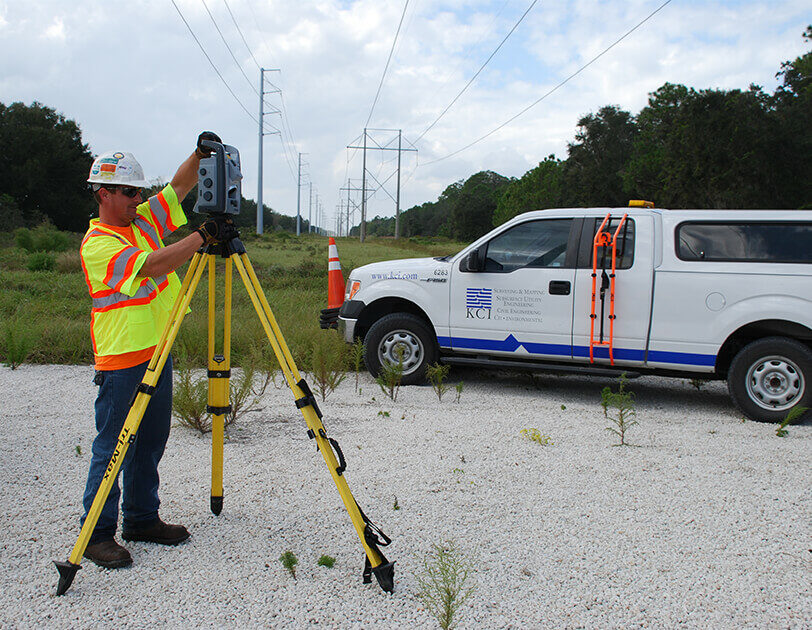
140 466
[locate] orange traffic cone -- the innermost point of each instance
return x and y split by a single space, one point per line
335 289
335 279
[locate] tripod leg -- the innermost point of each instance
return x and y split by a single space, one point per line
219 373
138 405
375 561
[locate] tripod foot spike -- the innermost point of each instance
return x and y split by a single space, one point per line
216 505
67 571
385 574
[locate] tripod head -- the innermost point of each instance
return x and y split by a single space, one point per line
219 180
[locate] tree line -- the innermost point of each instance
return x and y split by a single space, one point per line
687 148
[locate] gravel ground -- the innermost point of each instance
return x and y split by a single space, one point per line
703 523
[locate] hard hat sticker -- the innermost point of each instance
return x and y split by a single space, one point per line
118 155
94 170
111 160
108 168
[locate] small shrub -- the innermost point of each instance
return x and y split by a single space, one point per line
189 400
328 364
436 374
622 402
43 238
697 383
444 584
41 261
17 342
241 393
396 505
459 387
289 561
327 561
794 414
357 357
389 377
534 435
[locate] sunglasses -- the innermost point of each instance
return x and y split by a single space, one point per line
127 191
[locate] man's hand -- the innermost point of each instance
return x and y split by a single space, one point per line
204 151
217 228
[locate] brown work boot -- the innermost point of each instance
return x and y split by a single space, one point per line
158 532
108 554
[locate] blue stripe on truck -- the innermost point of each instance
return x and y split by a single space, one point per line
511 344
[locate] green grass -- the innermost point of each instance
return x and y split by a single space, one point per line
54 306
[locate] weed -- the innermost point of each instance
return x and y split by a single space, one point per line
534 435
794 414
436 374
444 584
396 505
563 407
357 357
41 261
189 399
459 387
623 403
698 383
389 377
17 343
383 414
241 392
78 450
289 561
328 363
326 561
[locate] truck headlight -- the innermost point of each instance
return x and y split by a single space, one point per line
352 288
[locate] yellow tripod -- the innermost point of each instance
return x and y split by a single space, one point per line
219 366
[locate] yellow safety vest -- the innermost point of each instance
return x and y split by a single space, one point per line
129 311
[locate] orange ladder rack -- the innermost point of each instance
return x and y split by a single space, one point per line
603 239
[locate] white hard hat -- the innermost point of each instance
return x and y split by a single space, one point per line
118 168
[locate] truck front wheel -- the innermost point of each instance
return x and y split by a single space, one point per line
401 337
769 377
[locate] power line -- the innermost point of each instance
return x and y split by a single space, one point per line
212 64
231 52
239 30
391 52
482 67
573 75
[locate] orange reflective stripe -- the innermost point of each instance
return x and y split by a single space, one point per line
120 267
165 204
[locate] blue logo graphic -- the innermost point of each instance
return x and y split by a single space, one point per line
478 298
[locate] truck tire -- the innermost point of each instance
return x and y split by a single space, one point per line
769 377
406 332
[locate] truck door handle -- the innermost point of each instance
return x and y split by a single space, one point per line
559 287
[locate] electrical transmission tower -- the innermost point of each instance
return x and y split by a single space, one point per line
377 146
262 134
352 205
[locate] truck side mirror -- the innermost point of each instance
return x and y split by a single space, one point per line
474 261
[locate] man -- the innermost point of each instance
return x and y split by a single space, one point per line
133 285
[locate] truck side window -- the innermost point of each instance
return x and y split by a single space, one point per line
745 242
625 243
532 244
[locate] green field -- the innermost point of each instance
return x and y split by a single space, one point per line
49 310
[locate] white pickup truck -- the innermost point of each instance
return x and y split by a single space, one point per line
713 294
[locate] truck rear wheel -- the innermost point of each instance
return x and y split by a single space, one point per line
401 336
769 377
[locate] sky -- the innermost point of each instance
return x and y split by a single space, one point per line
134 78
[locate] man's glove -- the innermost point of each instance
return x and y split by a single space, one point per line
217 228
203 151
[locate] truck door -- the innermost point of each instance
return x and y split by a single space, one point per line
513 296
633 288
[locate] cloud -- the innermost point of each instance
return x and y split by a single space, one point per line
134 78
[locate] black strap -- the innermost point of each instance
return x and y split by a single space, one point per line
308 400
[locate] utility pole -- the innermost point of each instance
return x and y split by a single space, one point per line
299 198
363 231
263 133
364 173
310 210
397 202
